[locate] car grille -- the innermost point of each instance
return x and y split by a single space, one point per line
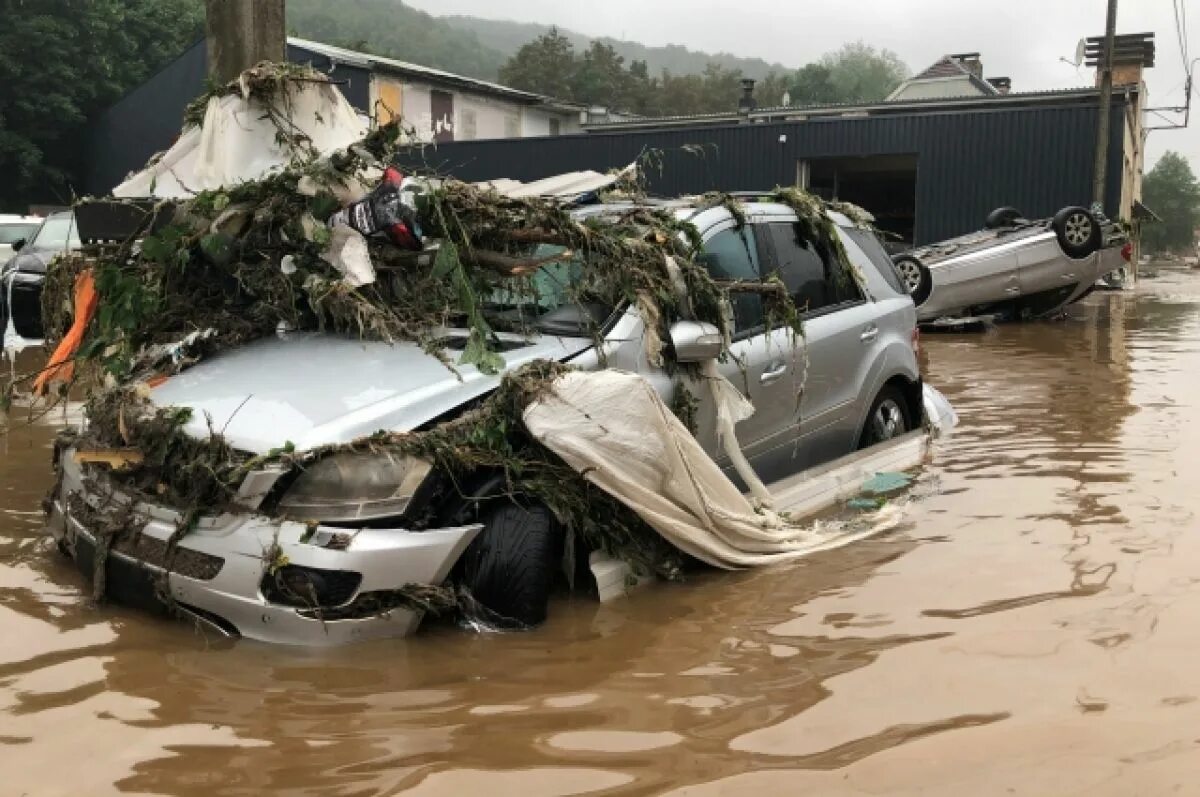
145 549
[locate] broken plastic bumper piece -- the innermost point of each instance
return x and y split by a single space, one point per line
257 577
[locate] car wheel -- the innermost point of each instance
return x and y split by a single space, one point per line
888 418
1002 217
1077 230
510 567
915 276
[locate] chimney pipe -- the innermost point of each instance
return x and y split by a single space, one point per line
747 103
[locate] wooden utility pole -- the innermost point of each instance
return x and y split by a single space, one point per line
1100 173
241 33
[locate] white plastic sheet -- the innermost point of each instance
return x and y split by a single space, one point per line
613 427
238 142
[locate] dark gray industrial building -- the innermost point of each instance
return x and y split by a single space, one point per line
928 166
928 169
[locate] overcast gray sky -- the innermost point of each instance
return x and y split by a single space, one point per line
1023 39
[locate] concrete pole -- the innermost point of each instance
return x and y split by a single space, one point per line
241 33
1100 172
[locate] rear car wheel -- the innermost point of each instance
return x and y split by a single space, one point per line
915 276
510 567
1078 231
889 418
1002 217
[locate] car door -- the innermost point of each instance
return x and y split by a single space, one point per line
761 362
984 277
840 330
1046 269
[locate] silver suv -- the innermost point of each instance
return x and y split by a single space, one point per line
853 380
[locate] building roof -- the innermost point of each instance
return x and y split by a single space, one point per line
848 109
948 67
379 63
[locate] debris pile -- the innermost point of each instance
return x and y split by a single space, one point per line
308 247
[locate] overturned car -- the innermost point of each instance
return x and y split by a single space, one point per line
1015 267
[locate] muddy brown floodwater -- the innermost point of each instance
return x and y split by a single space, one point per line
1031 627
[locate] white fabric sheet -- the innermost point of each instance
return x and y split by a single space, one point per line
613 427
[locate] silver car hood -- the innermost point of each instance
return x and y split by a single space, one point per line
313 390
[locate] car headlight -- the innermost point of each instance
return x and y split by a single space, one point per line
348 487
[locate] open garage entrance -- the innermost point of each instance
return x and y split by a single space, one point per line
885 185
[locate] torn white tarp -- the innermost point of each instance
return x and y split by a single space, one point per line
560 186
239 141
613 427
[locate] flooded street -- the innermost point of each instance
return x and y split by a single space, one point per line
1027 629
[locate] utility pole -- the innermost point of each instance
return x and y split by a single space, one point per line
241 33
1106 81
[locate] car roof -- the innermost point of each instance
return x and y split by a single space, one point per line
10 218
689 209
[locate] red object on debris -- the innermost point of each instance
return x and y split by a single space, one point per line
1127 252
384 211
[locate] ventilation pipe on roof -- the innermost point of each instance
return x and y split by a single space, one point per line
747 103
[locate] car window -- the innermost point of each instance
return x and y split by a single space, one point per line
869 243
15 232
733 255
58 232
813 278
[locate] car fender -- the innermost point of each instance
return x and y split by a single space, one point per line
895 359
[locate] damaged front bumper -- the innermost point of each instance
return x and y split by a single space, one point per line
226 569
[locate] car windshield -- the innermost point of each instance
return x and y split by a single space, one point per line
58 232
548 302
11 233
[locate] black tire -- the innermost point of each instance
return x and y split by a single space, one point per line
510 567
1077 230
891 403
1002 217
914 276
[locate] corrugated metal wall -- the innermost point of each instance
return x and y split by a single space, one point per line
1036 159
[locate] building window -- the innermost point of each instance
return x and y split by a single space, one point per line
467 130
512 127
555 127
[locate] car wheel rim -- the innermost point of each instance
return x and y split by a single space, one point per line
887 422
910 273
1078 229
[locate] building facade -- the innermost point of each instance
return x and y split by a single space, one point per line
439 106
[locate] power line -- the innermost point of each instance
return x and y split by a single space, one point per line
1180 28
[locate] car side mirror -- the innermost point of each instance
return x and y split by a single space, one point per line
18 244
695 341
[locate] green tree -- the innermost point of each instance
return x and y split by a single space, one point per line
544 66
393 29
1171 191
62 61
813 85
600 78
861 73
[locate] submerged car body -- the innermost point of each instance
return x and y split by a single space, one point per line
22 277
858 368
1015 267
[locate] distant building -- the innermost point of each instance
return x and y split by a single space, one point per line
958 75
930 163
441 106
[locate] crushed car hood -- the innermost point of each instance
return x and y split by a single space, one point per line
313 389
